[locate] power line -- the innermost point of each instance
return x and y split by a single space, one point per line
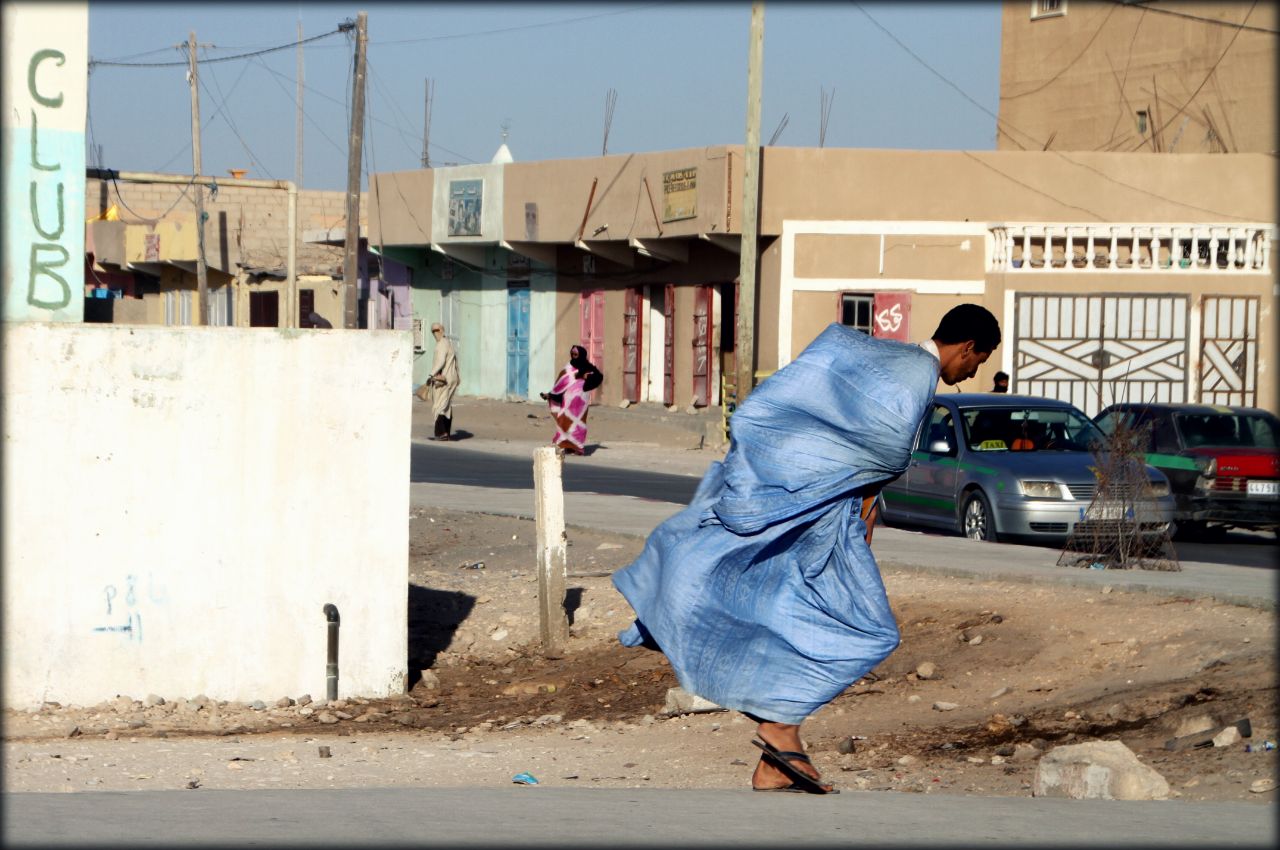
521 27
254 159
1204 20
305 114
1068 66
1225 51
1028 186
1001 122
97 62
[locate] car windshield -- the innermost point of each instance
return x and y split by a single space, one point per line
1228 429
1016 429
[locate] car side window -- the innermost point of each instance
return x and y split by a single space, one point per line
1164 439
938 427
1108 421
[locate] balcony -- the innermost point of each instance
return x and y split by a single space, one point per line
1158 248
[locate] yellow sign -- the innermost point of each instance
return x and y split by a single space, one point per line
679 194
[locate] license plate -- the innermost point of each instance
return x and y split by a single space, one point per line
1106 511
1264 488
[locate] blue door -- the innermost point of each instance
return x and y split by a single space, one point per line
518 341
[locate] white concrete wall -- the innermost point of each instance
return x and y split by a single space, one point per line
180 503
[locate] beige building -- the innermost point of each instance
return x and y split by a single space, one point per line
146 256
1160 77
1115 276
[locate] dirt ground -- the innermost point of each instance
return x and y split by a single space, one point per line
1026 668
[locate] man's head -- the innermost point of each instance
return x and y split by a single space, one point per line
1001 383
965 337
437 330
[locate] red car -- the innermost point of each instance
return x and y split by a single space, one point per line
1223 463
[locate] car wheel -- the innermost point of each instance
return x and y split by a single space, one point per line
976 520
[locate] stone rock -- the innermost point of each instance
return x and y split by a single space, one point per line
625 403
999 692
1025 752
153 700
122 704
975 640
500 634
548 720
907 760
846 746
680 701
306 711
1194 725
926 670
1262 786
304 699
945 706
71 730
1097 770
258 705
914 698
1227 737
200 701
284 702
429 680
326 717
341 715
1004 750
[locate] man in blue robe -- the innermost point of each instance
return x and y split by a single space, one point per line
763 592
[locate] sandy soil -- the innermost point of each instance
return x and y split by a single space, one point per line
1027 668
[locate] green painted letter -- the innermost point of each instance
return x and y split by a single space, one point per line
38 57
39 267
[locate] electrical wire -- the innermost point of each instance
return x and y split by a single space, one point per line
1143 6
305 114
521 27
1069 65
142 219
1028 186
224 108
102 63
1225 51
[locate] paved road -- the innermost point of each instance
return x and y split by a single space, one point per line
451 464
619 818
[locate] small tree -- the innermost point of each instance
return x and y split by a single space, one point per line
1121 528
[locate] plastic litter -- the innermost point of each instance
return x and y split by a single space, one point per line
525 778
1265 746
477 565
1097 565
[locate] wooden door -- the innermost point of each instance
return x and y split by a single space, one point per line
306 306
264 309
632 345
669 345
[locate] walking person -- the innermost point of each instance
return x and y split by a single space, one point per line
763 593
444 380
569 402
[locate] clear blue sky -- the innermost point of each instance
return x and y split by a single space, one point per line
679 71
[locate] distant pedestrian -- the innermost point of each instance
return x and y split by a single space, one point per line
763 593
568 400
1002 383
444 380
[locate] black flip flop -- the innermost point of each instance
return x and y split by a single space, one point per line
801 782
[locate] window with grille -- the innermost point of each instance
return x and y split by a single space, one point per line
1047 8
855 311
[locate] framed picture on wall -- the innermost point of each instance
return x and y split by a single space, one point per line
465 198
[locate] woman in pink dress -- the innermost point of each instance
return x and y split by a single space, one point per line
569 400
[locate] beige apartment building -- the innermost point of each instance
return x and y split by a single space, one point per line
1116 276
1192 76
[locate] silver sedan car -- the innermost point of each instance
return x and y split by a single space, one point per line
997 467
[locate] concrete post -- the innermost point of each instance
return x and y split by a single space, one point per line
548 494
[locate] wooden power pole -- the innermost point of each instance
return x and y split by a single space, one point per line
202 269
747 269
350 271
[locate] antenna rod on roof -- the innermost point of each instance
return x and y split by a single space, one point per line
610 101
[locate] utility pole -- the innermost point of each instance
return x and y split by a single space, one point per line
350 273
747 269
426 124
297 130
202 270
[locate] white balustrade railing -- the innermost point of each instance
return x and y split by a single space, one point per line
1194 248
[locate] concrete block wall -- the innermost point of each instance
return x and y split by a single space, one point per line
260 216
180 503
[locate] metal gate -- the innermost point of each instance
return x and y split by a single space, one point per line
632 347
702 345
1096 350
1229 357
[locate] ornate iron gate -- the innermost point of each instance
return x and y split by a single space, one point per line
1095 350
1229 357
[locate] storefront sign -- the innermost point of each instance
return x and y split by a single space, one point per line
679 194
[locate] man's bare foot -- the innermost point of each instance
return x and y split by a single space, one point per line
781 736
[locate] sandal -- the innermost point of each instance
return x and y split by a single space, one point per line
801 782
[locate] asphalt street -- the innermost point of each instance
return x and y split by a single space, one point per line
520 817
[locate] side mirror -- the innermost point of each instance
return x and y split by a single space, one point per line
941 447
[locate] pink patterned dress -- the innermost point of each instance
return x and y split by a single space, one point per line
570 412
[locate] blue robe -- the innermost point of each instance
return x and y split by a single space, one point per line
763 592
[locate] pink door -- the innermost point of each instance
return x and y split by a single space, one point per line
632 347
702 345
591 304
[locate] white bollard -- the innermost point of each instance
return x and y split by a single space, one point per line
548 495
